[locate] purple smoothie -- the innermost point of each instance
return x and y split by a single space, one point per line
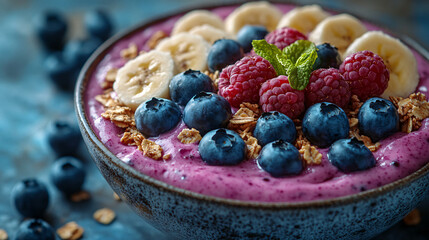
398 156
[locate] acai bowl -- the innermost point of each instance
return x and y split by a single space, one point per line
245 202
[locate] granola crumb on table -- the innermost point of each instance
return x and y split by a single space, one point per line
70 231
104 216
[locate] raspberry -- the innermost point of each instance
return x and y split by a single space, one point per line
284 37
240 82
366 74
277 95
327 85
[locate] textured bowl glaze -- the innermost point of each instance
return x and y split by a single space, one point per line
189 215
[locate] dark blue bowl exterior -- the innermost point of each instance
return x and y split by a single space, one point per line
189 215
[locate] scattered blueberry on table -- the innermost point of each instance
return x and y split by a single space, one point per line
35 229
68 175
30 197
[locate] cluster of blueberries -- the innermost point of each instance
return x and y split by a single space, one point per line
65 58
30 196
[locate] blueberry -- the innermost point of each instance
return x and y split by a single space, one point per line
207 111
51 28
30 197
324 123
279 159
187 84
77 52
68 175
350 155
378 119
248 33
222 147
327 56
156 116
99 24
63 137
223 53
61 73
272 126
35 229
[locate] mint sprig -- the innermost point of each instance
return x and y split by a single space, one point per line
296 60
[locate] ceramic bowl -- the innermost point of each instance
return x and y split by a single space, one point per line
189 215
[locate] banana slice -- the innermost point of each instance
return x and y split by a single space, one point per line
189 51
303 19
197 18
144 77
339 30
253 13
209 33
400 61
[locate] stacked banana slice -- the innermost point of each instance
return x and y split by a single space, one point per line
149 74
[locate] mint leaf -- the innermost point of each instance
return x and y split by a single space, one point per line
296 60
300 57
271 53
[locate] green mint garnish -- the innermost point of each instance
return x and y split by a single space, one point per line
296 60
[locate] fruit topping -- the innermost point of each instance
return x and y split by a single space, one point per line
99 24
280 159
378 119
272 126
277 95
284 37
222 53
338 30
366 74
30 197
156 116
350 155
187 84
207 111
253 13
327 57
327 85
35 229
189 51
222 147
240 82
304 18
399 60
248 33
197 18
324 123
144 77
68 175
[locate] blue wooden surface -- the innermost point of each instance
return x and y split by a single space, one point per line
29 101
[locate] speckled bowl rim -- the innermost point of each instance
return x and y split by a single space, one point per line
99 54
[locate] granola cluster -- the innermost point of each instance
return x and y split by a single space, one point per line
130 52
411 110
309 153
243 122
156 38
188 136
123 117
214 77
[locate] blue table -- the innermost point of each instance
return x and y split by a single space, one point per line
29 102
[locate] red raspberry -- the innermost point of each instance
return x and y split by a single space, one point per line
327 85
241 81
284 37
277 95
366 74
